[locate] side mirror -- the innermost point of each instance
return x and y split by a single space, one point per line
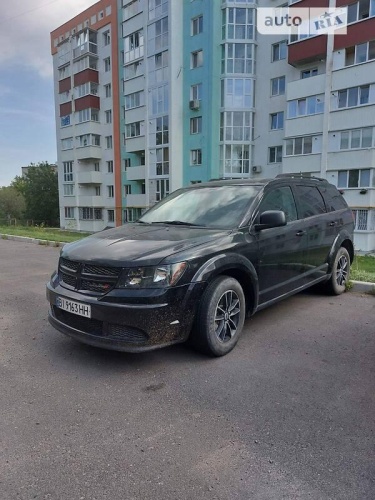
271 218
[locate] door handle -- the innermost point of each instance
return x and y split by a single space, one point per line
333 223
300 233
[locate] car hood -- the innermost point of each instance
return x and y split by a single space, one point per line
138 244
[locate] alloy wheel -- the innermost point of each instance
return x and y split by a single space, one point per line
227 316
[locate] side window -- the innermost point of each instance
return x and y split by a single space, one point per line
310 201
334 200
280 199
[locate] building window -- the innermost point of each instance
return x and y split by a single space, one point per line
308 73
107 64
196 125
132 70
97 166
68 171
196 59
235 159
108 90
162 189
69 212
110 192
196 92
238 24
108 142
304 107
67 143
356 139
237 58
361 10
278 85
133 129
108 116
133 46
355 178
355 96
360 53
68 189
235 126
89 213
197 25
158 35
162 130
299 146
361 218
277 120
110 167
111 215
275 154
127 163
107 37
86 115
97 191
130 9
88 140
196 157
132 214
237 93
279 51
156 8
65 121
86 89
159 100
158 67
134 100
162 161
127 189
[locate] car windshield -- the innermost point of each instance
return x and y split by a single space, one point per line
212 207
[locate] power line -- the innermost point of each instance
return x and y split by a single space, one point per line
27 11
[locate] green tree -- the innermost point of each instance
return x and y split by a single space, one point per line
12 204
39 186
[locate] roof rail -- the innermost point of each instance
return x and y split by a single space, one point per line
296 175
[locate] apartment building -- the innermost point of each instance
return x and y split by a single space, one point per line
152 95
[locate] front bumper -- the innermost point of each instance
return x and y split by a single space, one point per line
144 320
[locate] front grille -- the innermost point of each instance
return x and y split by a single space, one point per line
110 331
97 280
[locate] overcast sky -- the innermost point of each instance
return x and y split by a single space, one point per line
27 114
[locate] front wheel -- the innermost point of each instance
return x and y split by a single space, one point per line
220 317
340 272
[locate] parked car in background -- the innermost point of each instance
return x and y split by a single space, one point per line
196 263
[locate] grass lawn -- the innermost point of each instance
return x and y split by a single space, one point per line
42 233
363 268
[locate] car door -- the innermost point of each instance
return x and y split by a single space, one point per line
282 250
321 227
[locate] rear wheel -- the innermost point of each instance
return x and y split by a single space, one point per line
340 272
220 317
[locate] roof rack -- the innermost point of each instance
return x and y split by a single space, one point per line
300 175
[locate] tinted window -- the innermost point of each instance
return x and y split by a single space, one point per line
334 200
216 206
310 201
280 199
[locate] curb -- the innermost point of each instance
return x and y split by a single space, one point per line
26 239
357 286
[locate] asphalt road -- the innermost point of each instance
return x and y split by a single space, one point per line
289 414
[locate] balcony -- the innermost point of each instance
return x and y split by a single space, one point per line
90 201
136 173
136 200
306 87
84 49
92 177
307 50
89 153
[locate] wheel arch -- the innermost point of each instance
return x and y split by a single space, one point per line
237 267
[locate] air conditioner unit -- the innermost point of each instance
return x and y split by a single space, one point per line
256 169
195 104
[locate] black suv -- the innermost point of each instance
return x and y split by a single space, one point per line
198 261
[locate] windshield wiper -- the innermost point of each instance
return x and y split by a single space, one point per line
176 223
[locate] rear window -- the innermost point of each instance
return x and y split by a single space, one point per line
310 201
334 199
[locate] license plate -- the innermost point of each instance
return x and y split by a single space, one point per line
73 307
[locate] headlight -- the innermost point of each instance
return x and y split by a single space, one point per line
152 277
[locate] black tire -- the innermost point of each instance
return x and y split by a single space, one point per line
340 273
220 317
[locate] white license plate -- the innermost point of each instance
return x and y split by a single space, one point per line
74 307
